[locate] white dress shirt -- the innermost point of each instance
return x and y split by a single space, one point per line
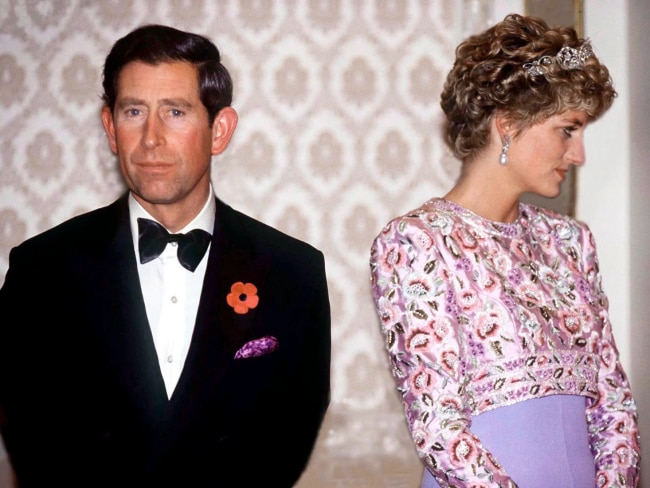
171 293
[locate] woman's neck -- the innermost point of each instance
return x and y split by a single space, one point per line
484 196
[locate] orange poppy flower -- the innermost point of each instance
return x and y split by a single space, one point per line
242 297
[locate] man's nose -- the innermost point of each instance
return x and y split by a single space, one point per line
152 135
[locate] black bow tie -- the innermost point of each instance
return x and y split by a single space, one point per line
153 239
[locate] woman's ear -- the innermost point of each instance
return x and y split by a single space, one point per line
223 128
503 127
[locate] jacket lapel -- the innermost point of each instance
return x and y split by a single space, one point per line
219 332
123 330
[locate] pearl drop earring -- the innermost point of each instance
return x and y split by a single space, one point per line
503 157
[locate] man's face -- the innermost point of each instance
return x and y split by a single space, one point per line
161 134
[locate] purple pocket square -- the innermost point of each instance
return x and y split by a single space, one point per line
257 347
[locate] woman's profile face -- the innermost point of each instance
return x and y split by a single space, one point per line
540 156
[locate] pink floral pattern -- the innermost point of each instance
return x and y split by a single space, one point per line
479 314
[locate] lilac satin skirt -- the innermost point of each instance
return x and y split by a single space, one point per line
541 442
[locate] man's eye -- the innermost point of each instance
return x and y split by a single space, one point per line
175 112
568 131
133 112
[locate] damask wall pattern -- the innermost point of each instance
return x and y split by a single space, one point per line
339 130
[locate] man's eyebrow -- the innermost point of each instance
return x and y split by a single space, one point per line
180 102
123 102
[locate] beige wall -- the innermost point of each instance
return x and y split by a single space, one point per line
338 132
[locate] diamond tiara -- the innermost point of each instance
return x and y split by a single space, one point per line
566 58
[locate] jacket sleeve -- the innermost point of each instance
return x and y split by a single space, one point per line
415 282
612 419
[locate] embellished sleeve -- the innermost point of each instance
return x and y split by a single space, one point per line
417 278
612 418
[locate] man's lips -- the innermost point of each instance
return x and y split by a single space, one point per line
153 165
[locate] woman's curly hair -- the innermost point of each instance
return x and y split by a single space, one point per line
488 77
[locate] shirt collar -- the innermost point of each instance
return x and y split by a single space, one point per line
204 220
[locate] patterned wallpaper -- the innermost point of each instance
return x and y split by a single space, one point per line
339 130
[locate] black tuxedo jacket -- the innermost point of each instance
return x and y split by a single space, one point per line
82 400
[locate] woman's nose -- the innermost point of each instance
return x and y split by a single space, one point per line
576 153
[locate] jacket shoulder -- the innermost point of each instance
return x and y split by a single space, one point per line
83 228
259 233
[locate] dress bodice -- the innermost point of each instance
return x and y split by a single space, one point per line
479 315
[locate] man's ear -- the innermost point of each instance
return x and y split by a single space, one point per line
109 127
223 128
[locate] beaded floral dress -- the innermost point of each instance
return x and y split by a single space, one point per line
488 323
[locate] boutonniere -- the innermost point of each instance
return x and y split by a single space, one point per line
242 297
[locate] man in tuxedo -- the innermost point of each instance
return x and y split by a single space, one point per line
165 340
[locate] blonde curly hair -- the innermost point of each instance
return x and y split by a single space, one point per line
488 77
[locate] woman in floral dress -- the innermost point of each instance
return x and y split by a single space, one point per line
494 317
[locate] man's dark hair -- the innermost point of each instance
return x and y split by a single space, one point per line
154 44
